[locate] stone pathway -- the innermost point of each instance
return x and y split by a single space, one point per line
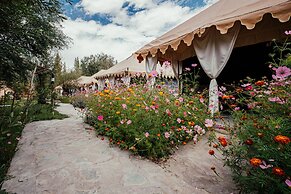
61 156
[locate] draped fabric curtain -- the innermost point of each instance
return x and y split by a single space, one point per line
126 80
213 51
177 69
151 64
100 83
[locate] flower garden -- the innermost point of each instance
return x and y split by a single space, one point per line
154 121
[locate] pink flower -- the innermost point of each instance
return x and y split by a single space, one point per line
167 101
237 108
208 123
246 85
265 166
288 182
288 32
147 108
100 118
122 121
249 88
168 112
222 88
154 73
187 69
283 72
185 114
194 65
199 130
201 100
167 135
179 120
166 63
277 100
147 134
124 106
129 122
181 99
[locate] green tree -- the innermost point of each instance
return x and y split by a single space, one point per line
29 28
57 68
94 63
77 67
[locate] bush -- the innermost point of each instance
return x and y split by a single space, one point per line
258 149
149 122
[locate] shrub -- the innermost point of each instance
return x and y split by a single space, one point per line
150 122
258 149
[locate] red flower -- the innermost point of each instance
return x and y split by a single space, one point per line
211 152
249 142
278 171
222 141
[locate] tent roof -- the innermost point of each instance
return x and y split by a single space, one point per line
99 73
222 15
86 80
129 65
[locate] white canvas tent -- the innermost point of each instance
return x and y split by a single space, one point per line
212 34
86 80
129 67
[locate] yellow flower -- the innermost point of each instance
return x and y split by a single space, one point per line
161 93
138 105
118 112
134 109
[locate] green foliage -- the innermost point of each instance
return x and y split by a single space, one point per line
29 28
94 63
149 122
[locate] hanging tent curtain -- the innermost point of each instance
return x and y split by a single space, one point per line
177 69
151 64
213 51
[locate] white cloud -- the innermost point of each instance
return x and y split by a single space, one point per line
100 6
125 34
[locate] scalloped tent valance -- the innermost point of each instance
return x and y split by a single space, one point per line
221 15
129 66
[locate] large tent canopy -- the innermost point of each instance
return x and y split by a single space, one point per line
223 15
212 34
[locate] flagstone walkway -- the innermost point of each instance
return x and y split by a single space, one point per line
62 156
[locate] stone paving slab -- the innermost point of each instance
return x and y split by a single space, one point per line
61 156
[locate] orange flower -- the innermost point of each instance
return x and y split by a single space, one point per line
260 83
159 135
184 143
255 162
278 171
191 123
225 97
282 139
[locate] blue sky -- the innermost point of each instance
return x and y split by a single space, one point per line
120 27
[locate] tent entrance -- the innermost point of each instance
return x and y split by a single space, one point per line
252 61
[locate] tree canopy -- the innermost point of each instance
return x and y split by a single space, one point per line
29 29
94 63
